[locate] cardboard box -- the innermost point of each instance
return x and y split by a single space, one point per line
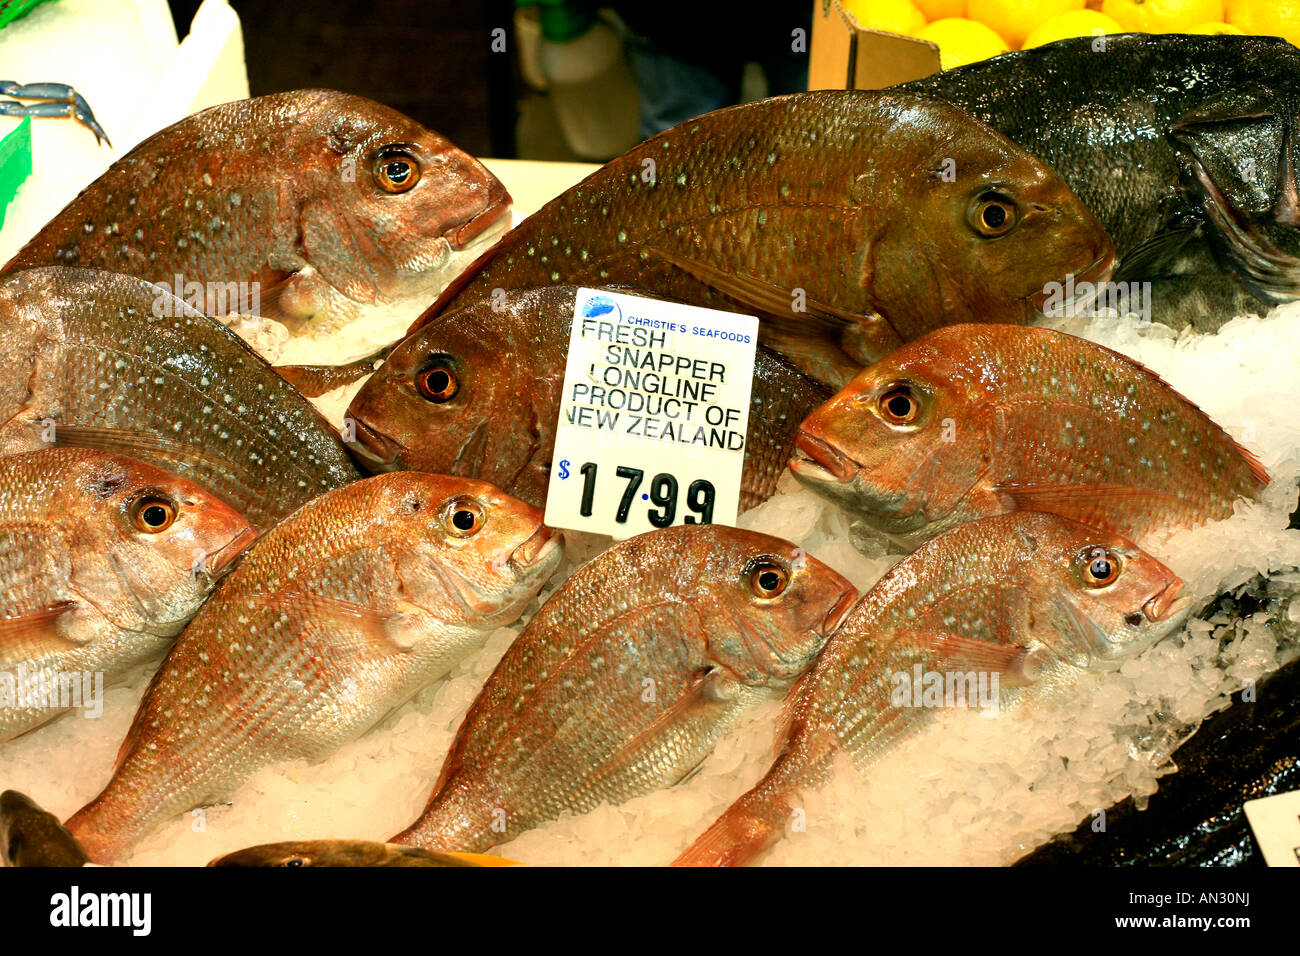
845 55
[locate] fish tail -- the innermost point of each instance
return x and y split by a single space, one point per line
447 825
738 836
107 830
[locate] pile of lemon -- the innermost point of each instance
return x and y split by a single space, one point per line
970 30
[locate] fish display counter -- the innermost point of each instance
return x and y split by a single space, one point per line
1011 579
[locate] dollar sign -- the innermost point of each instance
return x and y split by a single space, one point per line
564 468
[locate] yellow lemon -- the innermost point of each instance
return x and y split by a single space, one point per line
941 9
962 41
1217 29
1076 23
1270 18
1014 19
1161 16
892 16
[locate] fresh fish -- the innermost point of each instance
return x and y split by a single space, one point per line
975 420
333 618
849 221
1184 147
351 853
628 675
307 205
31 837
104 361
1247 751
1022 599
477 392
102 562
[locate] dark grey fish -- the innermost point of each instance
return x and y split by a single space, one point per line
29 836
1184 148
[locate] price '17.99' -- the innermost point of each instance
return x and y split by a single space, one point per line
661 493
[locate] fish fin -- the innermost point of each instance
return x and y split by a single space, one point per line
142 445
1157 256
786 716
315 380
358 632
957 652
1093 505
734 839
851 333
448 858
36 633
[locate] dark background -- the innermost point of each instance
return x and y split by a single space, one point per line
430 59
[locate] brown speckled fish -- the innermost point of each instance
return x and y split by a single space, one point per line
331 205
94 359
334 617
102 562
976 420
849 221
29 836
626 678
477 392
987 615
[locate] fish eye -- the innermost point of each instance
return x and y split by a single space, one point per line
396 171
767 579
463 517
295 861
899 405
993 215
153 513
437 382
1101 566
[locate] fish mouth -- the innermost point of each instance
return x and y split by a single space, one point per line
220 560
1092 277
1165 605
373 451
497 215
818 461
839 611
537 548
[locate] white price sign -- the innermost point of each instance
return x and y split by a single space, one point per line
1276 823
653 417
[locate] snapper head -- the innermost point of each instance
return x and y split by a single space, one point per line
904 443
464 551
767 607
448 401
392 210
978 227
1099 599
148 545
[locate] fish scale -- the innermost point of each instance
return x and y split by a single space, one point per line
1037 420
88 353
841 197
334 618
1004 596
625 679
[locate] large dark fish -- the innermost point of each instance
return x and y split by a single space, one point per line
477 392
29 836
1184 147
849 221
334 617
105 361
322 205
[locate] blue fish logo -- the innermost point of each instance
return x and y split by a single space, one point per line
600 305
